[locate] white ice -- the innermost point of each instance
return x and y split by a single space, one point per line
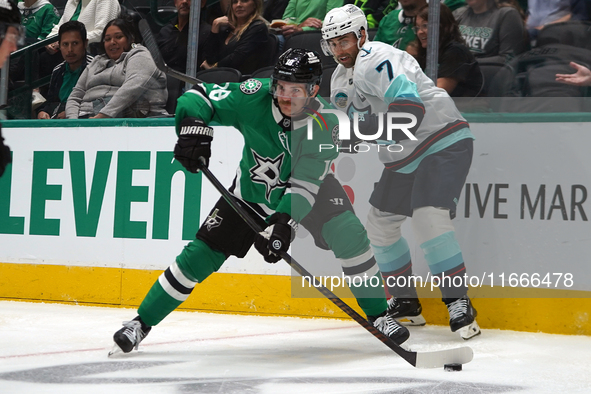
53 348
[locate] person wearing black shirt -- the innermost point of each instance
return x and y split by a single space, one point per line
458 72
239 39
173 38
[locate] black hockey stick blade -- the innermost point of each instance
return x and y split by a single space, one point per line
435 359
150 43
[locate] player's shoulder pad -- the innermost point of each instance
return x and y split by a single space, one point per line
374 52
379 53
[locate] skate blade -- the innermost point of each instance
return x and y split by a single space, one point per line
418 320
470 331
116 351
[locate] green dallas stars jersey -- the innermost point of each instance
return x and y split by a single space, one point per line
281 169
39 19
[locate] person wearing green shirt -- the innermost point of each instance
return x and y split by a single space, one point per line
283 180
39 17
374 10
72 42
396 27
302 15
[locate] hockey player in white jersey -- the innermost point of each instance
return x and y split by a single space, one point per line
423 180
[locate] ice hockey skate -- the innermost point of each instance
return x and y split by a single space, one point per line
129 337
388 326
407 311
462 317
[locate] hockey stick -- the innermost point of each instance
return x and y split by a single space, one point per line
152 46
436 359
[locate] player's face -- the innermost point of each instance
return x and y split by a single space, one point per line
115 42
344 49
9 44
421 31
291 97
72 48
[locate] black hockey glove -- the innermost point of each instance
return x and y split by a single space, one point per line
193 147
277 237
5 158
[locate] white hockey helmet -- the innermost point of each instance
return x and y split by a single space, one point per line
340 21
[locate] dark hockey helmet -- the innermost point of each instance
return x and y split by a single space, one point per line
10 17
300 66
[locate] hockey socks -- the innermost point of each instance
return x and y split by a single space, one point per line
173 287
347 238
396 267
444 256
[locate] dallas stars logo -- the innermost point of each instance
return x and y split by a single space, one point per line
266 172
251 86
213 220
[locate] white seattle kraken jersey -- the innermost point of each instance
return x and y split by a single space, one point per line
382 75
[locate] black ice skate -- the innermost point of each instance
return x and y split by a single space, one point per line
407 311
130 336
388 326
462 317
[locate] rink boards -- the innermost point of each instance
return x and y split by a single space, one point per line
93 211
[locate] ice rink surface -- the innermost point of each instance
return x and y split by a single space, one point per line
53 348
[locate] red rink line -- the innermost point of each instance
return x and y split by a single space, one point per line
173 342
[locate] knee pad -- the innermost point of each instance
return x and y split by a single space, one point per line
345 236
430 222
383 228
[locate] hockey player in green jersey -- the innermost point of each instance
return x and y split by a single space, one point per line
283 179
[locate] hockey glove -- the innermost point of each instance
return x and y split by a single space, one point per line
193 148
5 158
277 237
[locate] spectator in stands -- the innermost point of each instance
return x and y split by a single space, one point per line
375 10
39 17
238 40
173 38
73 41
93 13
493 33
458 71
303 15
396 27
543 12
580 78
123 82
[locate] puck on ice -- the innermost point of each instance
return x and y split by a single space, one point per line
452 367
